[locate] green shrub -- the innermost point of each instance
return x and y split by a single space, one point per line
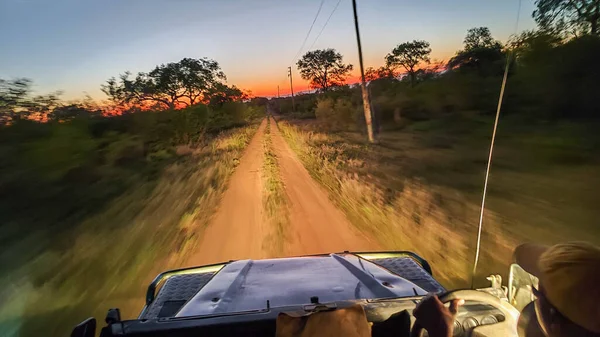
123 149
559 81
340 114
68 146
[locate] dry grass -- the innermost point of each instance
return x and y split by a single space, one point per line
412 193
114 255
274 200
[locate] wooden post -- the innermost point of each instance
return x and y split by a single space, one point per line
292 88
363 85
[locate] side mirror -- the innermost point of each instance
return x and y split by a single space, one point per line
86 328
520 284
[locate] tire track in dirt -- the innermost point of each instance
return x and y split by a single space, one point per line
316 225
237 229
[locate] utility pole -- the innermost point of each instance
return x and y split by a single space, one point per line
292 89
363 85
278 100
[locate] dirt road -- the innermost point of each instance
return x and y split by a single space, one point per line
240 226
317 226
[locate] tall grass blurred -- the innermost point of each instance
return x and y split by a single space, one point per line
415 192
420 188
93 208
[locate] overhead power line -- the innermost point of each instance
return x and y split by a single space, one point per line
310 30
325 25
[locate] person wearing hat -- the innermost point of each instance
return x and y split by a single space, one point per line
568 298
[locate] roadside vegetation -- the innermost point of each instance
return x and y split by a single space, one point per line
96 201
419 188
413 195
98 198
274 200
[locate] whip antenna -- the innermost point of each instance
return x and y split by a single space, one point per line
489 162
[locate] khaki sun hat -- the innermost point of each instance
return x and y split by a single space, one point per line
570 276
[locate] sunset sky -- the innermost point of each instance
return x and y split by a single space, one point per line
76 45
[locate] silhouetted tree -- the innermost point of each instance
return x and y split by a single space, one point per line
41 106
17 102
14 95
221 93
73 110
481 52
530 41
323 68
409 55
186 82
564 15
480 38
372 74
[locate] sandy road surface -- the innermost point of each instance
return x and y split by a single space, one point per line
316 225
239 227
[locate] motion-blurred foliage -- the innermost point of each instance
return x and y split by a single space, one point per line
54 173
70 186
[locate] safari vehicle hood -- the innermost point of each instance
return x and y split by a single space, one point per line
256 285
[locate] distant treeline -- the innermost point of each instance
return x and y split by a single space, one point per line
553 74
550 77
174 85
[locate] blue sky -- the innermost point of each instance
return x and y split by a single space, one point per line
76 45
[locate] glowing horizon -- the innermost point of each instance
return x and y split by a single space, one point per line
84 44
300 85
